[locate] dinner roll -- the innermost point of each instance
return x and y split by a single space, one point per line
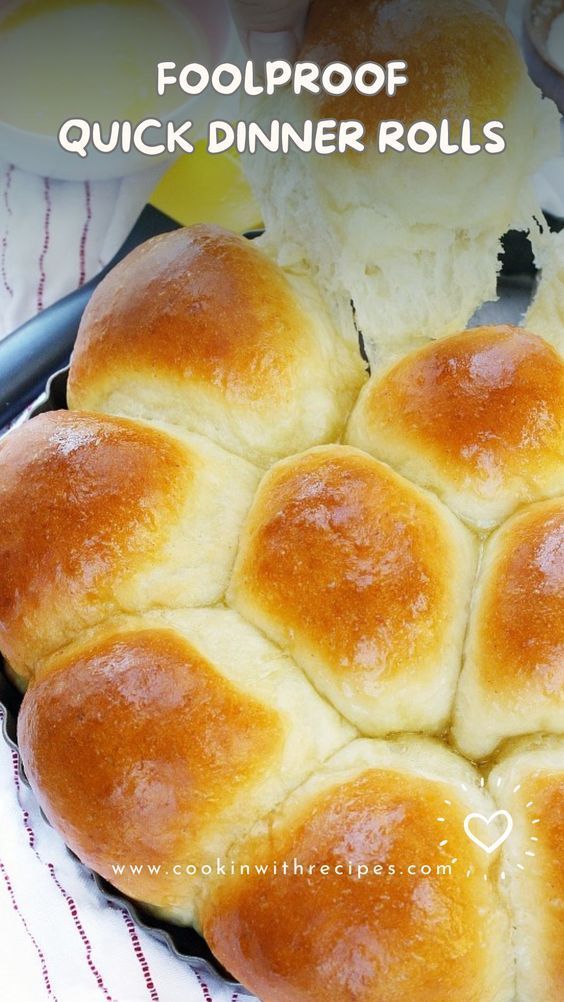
101 515
158 740
201 329
413 242
423 921
478 417
365 579
513 677
334 32
530 785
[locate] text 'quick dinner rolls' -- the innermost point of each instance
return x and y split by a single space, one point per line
268 610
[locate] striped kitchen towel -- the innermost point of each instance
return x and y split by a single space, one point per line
60 940
55 235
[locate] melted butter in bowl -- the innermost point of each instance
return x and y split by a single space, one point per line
92 59
97 60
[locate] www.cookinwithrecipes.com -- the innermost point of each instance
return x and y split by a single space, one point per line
294 868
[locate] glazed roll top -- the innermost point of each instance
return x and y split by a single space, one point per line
529 784
201 329
513 677
443 43
425 922
365 579
101 515
478 418
157 741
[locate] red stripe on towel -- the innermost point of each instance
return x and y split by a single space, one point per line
80 928
138 950
205 990
38 950
85 231
25 815
69 900
46 242
7 187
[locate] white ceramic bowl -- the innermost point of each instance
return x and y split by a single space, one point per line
41 154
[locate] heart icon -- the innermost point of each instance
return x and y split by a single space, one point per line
488 821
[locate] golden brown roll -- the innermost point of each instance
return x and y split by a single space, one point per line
422 921
466 34
365 579
513 677
157 740
201 329
529 784
478 418
101 515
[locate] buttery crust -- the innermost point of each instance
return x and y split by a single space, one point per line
386 937
477 417
529 783
101 515
200 328
179 730
465 62
513 678
365 579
